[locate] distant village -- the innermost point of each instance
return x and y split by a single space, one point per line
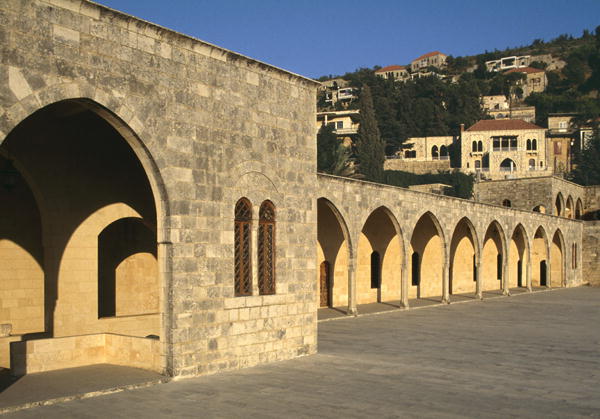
509 145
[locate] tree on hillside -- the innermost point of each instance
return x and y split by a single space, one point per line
369 148
587 171
333 156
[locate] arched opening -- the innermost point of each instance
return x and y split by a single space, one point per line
528 144
97 217
569 207
508 165
492 258
434 153
559 205
539 208
531 164
333 247
243 248
474 146
518 259
444 152
578 210
534 144
379 259
506 203
463 274
557 259
480 146
539 258
428 242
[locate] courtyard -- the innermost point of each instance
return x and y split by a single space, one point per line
529 355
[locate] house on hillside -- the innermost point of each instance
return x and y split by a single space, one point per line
345 123
535 80
499 107
431 59
507 63
504 148
396 72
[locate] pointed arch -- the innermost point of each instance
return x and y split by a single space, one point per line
380 248
518 258
493 257
429 243
434 153
578 209
569 207
464 254
559 205
539 259
334 246
558 260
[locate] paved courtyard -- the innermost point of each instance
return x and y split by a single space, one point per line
530 355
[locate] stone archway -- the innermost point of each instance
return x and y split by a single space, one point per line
540 276
83 161
557 258
428 258
493 255
518 258
463 256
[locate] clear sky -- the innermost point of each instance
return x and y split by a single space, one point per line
321 37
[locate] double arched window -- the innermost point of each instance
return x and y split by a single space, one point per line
531 145
243 248
434 153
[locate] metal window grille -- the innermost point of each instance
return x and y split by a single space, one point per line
243 266
266 249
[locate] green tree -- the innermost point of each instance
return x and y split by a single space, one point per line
369 147
587 171
327 144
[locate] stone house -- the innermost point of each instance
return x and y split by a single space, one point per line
535 80
397 72
431 59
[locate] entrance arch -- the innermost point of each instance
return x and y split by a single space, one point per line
334 253
518 258
559 205
89 169
569 207
539 259
428 244
463 256
493 255
379 259
578 209
557 258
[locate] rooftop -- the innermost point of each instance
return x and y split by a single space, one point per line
502 125
429 54
391 68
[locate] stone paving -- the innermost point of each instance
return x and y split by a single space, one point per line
531 355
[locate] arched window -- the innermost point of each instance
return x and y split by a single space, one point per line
434 152
480 146
540 209
531 164
528 144
443 152
266 248
534 144
474 146
243 254
416 270
477 164
375 270
507 165
506 203
407 154
413 154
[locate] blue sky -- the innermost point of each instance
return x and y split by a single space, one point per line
320 37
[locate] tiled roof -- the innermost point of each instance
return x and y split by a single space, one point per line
429 54
529 70
501 125
391 68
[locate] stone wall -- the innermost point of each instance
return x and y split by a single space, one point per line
591 252
418 167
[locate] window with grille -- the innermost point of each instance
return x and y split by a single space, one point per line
243 244
266 249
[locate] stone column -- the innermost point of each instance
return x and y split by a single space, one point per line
164 255
404 279
446 279
528 273
352 311
505 289
478 284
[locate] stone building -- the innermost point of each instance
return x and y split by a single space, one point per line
499 107
507 63
502 148
345 123
396 72
431 59
535 80
161 207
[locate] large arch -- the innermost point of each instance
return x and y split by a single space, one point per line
578 209
570 208
335 250
518 258
540 276
427 251
464 254
558 260
65 150
379 259
493 255
559 205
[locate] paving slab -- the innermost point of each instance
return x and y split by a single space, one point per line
68 384
534 355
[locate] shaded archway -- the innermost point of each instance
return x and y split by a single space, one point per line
90 170
508 165
428 244
557 260
539 208
492 264
578 209
559 205
379 259
518 258
569 207
333 247
463 256
539 259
